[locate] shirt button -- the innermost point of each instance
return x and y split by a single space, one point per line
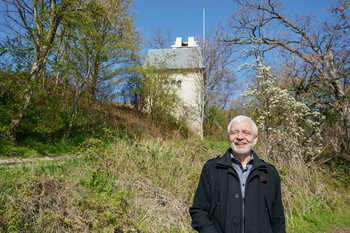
237 195
242 184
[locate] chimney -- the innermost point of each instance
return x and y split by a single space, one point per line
192 42
179 43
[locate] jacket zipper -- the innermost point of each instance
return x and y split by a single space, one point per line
243 199
243 214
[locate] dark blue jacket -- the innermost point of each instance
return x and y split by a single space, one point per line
218 204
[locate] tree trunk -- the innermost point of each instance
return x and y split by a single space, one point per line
16 121
77 102
346 119
342 104
74 112
43 45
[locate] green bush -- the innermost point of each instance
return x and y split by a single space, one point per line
215 122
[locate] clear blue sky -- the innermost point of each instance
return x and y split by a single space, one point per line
185 17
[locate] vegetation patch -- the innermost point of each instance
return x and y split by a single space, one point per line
146 186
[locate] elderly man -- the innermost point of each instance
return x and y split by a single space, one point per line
238 192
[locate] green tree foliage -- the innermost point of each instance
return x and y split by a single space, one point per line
98 50
290 128
101 46
41 21
62 51
158 89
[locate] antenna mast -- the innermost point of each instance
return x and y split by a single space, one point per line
203 26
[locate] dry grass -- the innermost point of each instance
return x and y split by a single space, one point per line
307 189
139 124
142 186
342 230
156 208
45 205
162 180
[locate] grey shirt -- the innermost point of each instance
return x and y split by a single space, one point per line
242 173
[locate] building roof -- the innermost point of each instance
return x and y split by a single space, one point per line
176 58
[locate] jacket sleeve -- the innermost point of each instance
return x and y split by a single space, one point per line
278 219
200 210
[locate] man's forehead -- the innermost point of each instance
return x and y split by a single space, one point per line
244 125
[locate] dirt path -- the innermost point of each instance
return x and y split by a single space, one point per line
17 161
342 230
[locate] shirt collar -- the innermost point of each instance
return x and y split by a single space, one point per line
236 161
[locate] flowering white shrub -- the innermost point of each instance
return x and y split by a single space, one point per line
288 128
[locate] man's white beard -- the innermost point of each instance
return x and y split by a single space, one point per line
241 152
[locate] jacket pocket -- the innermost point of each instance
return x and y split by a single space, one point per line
268 208
213 208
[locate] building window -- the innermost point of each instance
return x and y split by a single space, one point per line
179 84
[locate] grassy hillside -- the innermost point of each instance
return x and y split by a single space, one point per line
131 180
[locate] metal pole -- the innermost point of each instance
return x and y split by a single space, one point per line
203 26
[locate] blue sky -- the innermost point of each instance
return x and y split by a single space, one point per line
185 17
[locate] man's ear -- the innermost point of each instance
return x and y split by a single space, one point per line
255 140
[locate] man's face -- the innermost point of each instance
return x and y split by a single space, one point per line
242 138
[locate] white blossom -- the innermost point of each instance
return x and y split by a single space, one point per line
279 115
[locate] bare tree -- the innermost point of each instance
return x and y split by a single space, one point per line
320 49
160 38
219 81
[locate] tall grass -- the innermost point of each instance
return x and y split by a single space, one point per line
146 185
312 201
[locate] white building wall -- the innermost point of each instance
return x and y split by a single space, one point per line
190 93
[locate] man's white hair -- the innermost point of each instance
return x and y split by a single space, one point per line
241 118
